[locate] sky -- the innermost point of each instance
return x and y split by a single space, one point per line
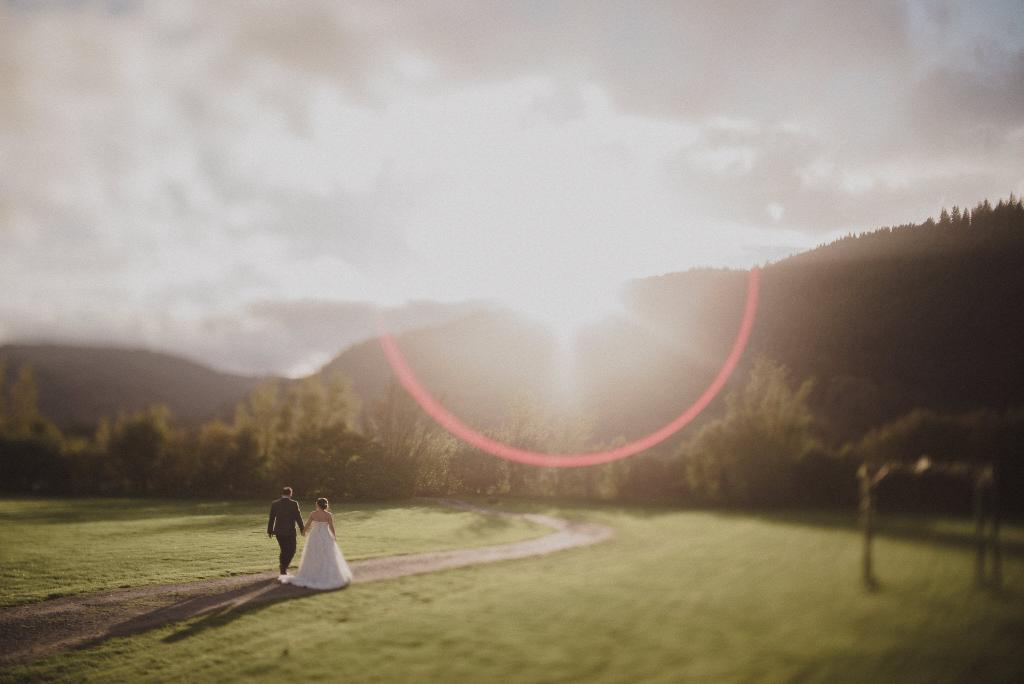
230 181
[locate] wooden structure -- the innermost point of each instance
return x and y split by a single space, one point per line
988 552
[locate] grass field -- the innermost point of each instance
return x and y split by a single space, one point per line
675 596
55 547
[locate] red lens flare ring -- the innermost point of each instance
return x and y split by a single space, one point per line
452 424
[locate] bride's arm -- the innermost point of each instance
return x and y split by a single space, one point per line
330 523
309 522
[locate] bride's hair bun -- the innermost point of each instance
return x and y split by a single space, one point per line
322 503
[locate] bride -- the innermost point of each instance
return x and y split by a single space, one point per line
322 566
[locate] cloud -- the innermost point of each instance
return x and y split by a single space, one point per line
964 110
756 170
167 166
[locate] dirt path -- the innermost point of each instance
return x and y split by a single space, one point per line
37 630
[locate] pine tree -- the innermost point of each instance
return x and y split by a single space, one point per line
944 219
955 215
983 210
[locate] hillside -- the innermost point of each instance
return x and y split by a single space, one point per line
80 385
622 377
479 365
926 315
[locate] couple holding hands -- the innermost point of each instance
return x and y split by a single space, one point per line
322 566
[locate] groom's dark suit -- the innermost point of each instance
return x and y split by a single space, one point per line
284 516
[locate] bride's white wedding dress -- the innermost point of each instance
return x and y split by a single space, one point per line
322 566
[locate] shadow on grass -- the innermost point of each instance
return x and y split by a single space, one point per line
485 525
945 531
99 510
213 610
95 510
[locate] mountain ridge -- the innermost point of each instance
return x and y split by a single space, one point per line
888 320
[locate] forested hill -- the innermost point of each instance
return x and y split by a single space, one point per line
928 315
481 365
79 385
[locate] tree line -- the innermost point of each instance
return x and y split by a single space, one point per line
764 449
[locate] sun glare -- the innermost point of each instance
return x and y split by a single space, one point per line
449 421
565 310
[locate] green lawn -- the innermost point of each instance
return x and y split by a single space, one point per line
675 596
54 547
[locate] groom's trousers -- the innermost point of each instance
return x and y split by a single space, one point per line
287 544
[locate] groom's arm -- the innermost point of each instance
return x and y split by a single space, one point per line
270 523
298 519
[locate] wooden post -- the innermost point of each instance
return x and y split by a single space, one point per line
997 551
867 524
979 528
986 509
997 555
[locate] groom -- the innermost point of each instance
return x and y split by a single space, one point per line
284 516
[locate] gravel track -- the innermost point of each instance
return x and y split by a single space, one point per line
37 630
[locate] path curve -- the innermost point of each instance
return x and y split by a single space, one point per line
41 629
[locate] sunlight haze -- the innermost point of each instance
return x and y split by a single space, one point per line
177 178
